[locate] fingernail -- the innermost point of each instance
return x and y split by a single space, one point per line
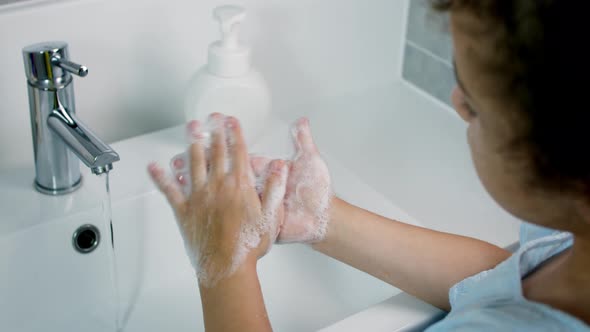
276 166
178 163
154 170
230 122
181 179
194 131
192 126
216 122
301 122
215 118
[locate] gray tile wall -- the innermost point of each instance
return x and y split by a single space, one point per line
428 51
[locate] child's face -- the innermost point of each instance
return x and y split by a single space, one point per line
492 125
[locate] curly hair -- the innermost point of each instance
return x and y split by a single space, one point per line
540 67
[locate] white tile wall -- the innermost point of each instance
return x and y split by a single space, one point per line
141 53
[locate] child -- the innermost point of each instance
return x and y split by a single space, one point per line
526 133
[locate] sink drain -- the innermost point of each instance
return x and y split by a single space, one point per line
86 238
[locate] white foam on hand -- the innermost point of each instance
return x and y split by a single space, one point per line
180 163
308 194
199 221
272 213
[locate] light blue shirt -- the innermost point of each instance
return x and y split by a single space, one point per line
492 300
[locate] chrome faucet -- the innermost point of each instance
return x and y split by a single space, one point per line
59 137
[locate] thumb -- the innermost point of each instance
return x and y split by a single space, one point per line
302 137
259 168
273 195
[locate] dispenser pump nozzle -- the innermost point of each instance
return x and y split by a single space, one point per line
228 57
229 18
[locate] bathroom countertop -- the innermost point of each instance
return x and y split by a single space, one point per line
414 151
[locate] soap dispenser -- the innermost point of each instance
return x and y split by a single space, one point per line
227 83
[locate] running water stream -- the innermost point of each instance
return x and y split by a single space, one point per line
108 219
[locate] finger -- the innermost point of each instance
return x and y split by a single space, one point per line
259 168
166 185
198 161
218 145
178 163
272 198
181 179
302 136
238 152
259 165
275 186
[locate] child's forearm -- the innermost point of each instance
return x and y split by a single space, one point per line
235 303
419 261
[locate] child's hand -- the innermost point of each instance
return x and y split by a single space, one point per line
308 195
222 220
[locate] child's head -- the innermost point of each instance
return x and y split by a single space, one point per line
521 89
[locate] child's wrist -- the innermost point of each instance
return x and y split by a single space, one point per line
243 272
334 215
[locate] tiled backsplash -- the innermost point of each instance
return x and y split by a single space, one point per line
428 51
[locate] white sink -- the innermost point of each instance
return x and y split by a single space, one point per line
303 290
47 286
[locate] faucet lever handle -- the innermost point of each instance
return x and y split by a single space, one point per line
69 66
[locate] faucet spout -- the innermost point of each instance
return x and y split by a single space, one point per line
93 152
98 170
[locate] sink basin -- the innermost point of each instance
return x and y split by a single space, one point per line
46 285
303 290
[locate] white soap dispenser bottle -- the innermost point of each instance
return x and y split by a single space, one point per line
227 83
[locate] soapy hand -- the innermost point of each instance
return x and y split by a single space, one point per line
221 218
308 193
